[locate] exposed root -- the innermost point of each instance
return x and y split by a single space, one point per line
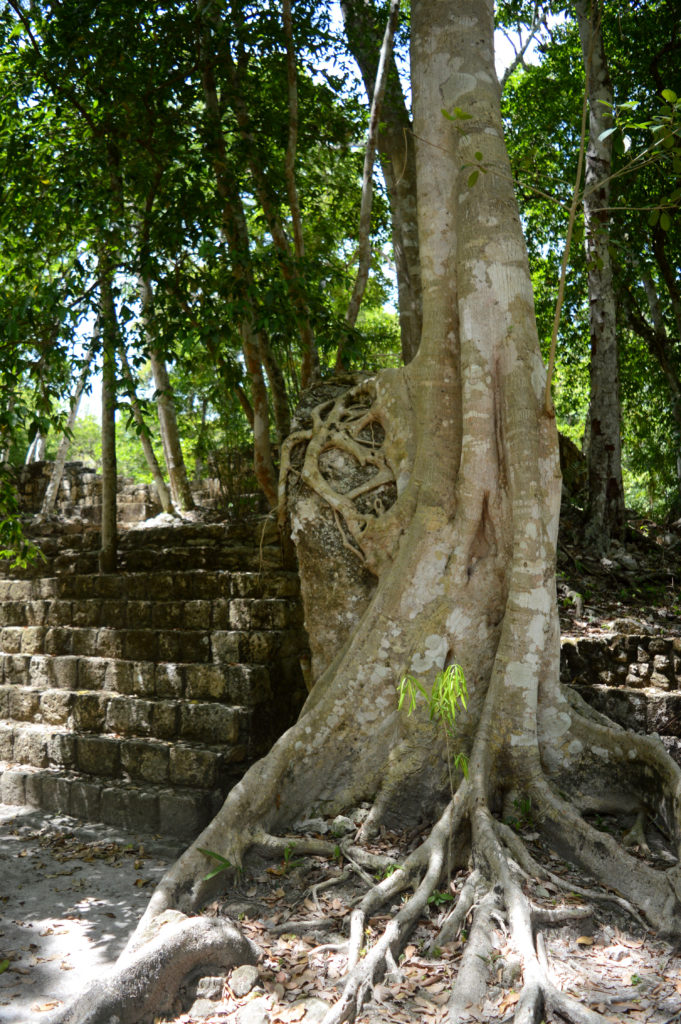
454 921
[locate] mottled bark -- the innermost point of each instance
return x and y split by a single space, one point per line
605 512
108 549
149 454
50 495
397 153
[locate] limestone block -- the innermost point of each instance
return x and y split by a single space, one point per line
167 615
262 645
46 588
130 807
662 663
87 612
92 673
247 684
6 741
182 814
642 656
40 671
13 613
246 613
10 639
664 714
673 747
85 641
61 749
220 613
4 701
65 672
16 669
164 719
146 760
32 640
23 704
36 613
55 706
659 681
58 613
170 679
21 590
13 787
625 706
156 586
98 755
209 723
197 614
190 766
227 646
204 682
140 644
129 716
109 643
114 614
89 711
183 645
58 641
139 614
86 799
33 789
30 747
660 645
56 794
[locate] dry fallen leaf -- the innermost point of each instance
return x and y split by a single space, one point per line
585 940
43 1007
509 1000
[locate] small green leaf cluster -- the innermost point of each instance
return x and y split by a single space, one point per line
447 693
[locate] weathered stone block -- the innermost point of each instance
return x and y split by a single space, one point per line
86 613
145 760
33 789
139 614
164 719
10 639
6 741
625 706
190 766
130 808
170 680
4 701
227 646
30 747
85 641
167 615
209 723
58 613
220 613
89 711
98 755
247 684
109 643
13 787
113 614
40 671
659 681
129 716
55 706
56 794
183 645
140 644
23 704
182 814
261 646
65 671
36 613
17 669
664 714
61 749
58 641
13 613
204 682
92 673
32 640
86 800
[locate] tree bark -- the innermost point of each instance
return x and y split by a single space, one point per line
50 496
109 536
397 153
170 435
605 513
149 454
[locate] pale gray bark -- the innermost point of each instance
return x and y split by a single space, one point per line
50 496
109 535
147 447
606 515
167 416
397 153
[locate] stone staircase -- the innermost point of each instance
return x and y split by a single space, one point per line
139 698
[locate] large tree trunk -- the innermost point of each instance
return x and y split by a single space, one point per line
605 514
439 486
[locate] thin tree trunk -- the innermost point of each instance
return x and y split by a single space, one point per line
605 515
147 447
50 496
109 536
397 153
167 416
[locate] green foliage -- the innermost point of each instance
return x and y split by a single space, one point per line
447 693
222 862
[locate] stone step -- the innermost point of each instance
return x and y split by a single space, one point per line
643 711
140 807
190 584
184 762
